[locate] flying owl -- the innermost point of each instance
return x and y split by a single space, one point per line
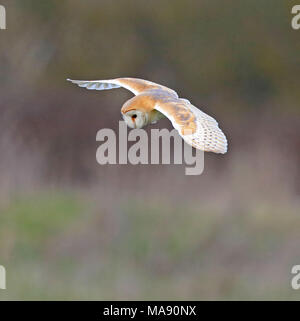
153 102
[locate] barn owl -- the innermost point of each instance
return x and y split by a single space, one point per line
153 102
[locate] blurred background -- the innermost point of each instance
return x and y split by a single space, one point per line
73 229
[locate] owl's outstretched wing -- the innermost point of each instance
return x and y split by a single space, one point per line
194 126
135 85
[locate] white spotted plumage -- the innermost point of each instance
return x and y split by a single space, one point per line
208 136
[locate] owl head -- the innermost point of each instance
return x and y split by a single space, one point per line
134 113
135 118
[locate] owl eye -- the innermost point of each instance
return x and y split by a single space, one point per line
134 116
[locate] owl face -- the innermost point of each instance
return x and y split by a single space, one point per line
135 118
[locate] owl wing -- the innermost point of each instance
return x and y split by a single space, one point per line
194 126
135 85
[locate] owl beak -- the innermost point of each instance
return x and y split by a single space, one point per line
133 120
